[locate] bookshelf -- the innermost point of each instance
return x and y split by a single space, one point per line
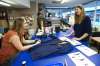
4 23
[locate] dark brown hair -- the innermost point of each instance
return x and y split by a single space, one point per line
78 19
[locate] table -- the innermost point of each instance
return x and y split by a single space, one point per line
53 59
97 40
61 59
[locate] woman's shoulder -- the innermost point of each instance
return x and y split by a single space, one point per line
87 20
10 33
87 17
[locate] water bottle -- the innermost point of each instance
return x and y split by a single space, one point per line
23 63
65 63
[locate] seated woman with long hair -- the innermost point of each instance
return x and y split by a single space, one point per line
13 40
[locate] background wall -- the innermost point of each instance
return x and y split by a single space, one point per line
32 11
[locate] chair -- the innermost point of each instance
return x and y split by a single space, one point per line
0 42
95 34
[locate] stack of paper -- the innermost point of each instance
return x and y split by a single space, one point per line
80 60
86 50
73 42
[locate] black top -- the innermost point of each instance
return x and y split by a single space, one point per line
83 27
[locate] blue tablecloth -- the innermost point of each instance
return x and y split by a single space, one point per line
51 59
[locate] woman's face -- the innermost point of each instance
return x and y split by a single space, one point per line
78 11
24 28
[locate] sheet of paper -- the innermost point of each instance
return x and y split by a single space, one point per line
73 42
62 38
80 60
69 32
62 34
87 51
39 33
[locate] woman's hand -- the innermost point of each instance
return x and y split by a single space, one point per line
82 37
38 42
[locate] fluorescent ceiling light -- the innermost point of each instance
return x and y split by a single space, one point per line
5 4
64 1
56 7
68 12
9 1
72 11
89 8
98 7
92 8
58 0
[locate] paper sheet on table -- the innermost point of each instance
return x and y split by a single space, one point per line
88 51
73 42
80 60
69 32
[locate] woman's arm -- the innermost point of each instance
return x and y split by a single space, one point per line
15 40
82 37
26 42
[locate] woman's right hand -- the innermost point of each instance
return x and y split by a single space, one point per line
38 42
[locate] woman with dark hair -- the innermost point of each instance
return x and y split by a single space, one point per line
82 26
13 40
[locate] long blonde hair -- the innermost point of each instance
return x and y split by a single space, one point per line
78 19
18 24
